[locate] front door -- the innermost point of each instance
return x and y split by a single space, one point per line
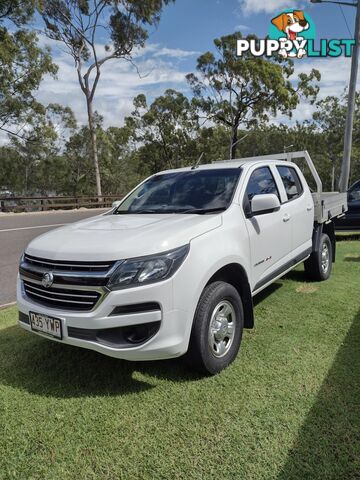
269 234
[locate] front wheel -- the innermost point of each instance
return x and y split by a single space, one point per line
217 329
319 265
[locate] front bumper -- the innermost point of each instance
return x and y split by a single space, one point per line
170 340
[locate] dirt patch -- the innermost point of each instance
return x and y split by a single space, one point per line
307 288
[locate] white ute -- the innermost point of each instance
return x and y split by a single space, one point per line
174 268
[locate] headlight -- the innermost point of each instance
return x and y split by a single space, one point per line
144 270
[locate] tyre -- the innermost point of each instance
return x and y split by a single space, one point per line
319 265
217 329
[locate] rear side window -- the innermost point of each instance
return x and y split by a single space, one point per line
261 182
291 181
354 192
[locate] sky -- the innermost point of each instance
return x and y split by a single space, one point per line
187 29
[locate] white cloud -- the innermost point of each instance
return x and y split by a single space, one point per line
156 50
267 6
175 53
119 83
335 74
159 68
242 28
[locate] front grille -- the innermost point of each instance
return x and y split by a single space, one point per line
68 266
73 274
61 298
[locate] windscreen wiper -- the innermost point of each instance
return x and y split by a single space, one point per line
145 210
204 211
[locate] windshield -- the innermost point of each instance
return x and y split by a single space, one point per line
194 191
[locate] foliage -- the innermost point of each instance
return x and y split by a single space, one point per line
118 166
121 163
329 119
32 163
17 11
243 91
23 64
166 131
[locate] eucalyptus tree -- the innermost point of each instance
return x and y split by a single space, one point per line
329 118
37 156
95 32
166 130
23 65
242 92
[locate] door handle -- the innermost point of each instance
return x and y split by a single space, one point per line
309 208
286 217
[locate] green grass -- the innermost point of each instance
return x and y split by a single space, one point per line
288 408
340 236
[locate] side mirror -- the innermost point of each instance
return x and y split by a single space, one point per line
262 204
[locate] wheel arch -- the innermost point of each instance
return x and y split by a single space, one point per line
235 275
329 229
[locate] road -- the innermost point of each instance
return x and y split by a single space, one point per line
16 231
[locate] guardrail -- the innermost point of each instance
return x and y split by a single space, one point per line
42 204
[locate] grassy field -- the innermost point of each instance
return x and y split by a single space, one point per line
288 408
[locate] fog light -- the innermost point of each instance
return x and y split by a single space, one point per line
140 333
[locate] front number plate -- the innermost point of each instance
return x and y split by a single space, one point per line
45 324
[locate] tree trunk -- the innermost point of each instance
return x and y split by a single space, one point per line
234 143
26 179
93 137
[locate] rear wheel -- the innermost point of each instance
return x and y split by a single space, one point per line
217 329
319 265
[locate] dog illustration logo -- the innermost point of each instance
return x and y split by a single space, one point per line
293 26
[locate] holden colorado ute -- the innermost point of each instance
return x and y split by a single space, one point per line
174 268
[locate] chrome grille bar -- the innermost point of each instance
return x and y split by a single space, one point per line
64 299
68 265
28 285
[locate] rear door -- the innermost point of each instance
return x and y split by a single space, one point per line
301 208
269 234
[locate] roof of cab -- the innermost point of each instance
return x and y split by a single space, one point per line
227 164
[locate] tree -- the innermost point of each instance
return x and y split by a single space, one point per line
165 130
242 91
121 161
329 119
35 158
118 167
23 65
212 144
77 164
17 11
122 25
272 139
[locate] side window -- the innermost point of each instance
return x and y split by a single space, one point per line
261 182
291 181
354 192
